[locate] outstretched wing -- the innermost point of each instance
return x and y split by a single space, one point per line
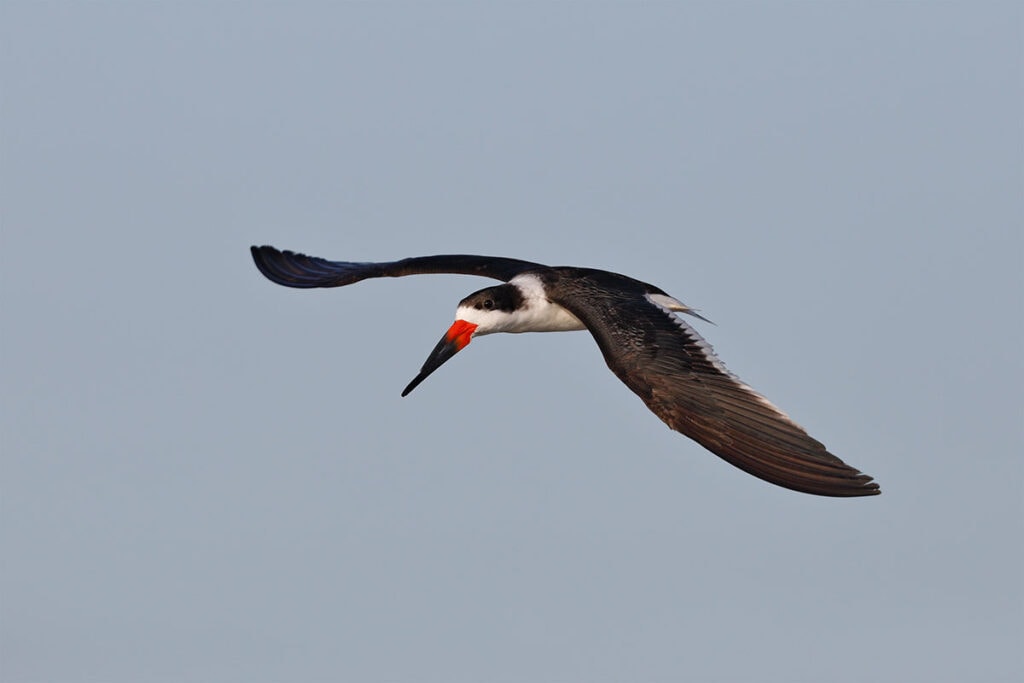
677 374
298 270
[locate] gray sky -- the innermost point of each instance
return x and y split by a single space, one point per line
209 477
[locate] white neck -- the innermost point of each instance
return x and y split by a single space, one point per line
537 313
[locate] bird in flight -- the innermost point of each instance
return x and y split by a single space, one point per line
645 343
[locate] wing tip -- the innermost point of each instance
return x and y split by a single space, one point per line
854 484
264 257
866 487
261 251
287 268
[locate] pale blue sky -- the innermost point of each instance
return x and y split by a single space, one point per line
209 477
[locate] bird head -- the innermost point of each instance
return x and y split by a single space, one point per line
484 312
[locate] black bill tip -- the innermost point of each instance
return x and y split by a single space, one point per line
453 341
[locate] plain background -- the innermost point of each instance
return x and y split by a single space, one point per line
206 477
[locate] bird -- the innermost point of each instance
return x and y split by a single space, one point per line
642 337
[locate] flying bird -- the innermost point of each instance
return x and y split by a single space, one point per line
645 343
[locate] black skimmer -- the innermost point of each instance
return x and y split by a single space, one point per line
650 348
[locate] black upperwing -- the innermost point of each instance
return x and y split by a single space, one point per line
298 270
677 374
